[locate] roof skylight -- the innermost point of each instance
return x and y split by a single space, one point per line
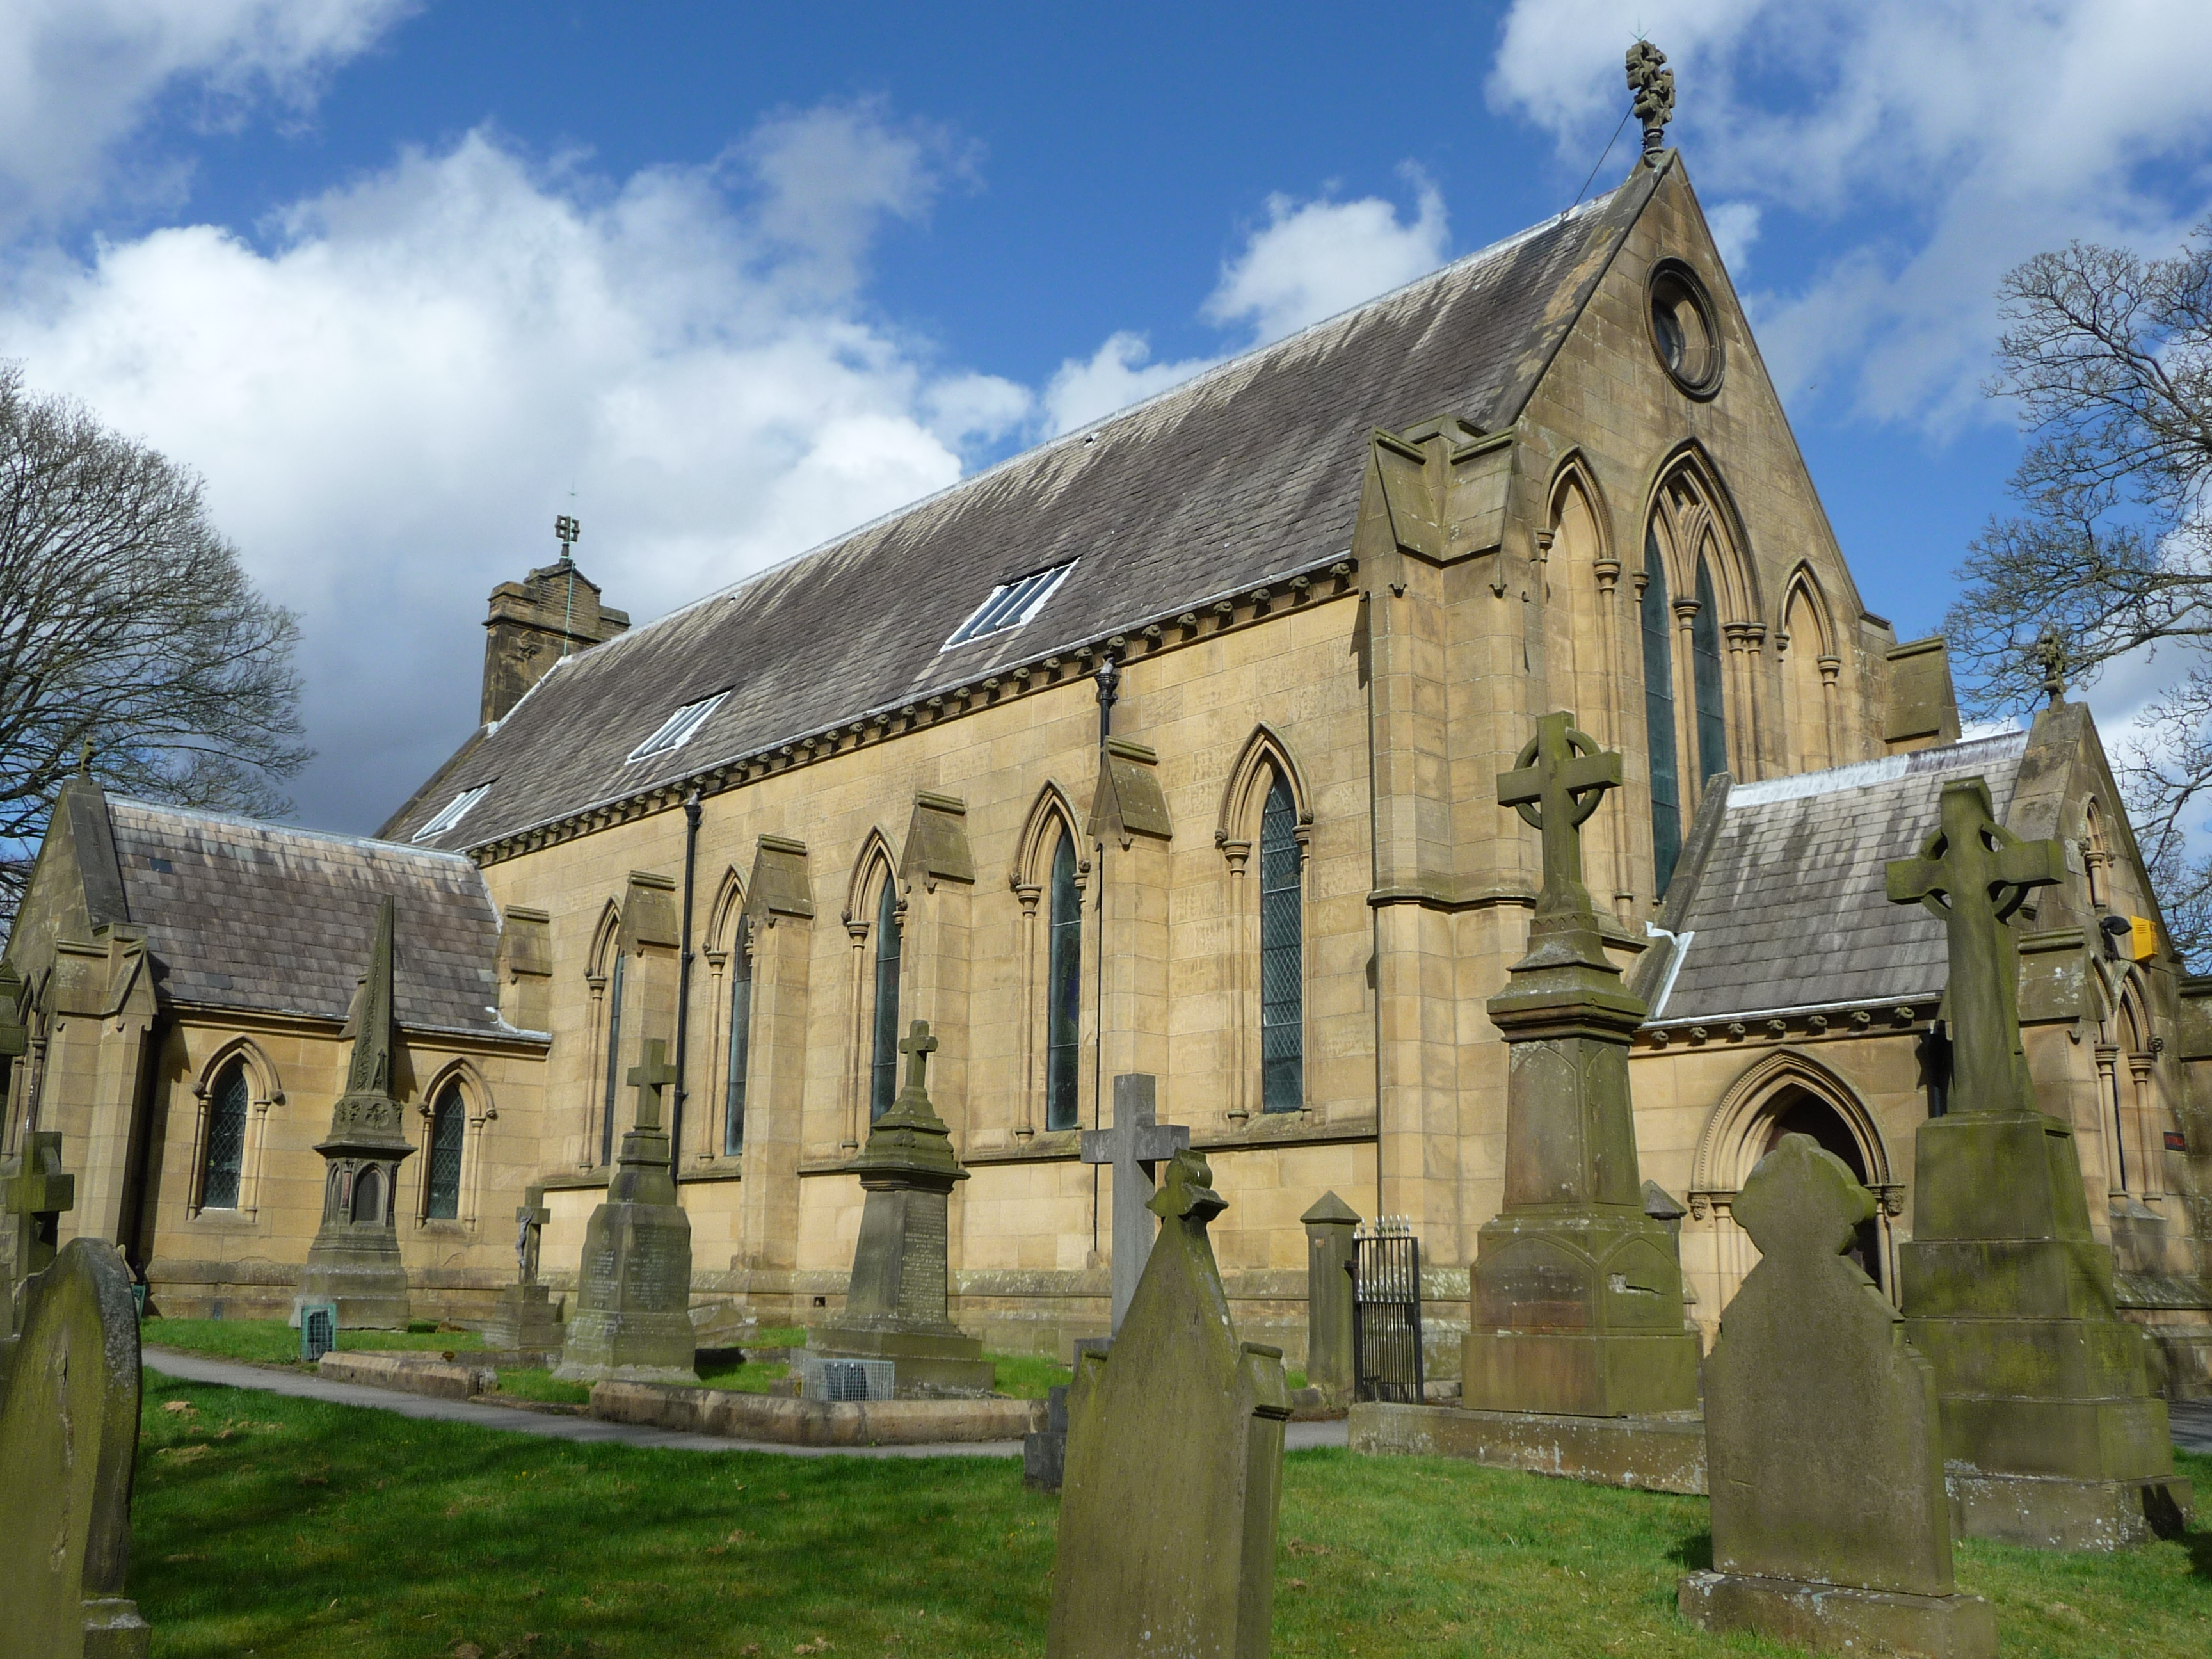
678 729
1011 604
453 812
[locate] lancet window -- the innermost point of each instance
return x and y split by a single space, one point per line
1659 716
741 1031
224 1160
1063 989
442 1189
1705 677
1282 955
613 1060
883 1067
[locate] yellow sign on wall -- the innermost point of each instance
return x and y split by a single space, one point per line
2142 938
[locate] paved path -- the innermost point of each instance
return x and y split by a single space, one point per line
196 1368
2192 1421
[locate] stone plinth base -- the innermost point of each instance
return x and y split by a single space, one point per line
1834 1619
607 1346
1652 1453
1044 1451
371 1294
436 1378
523 1318
113 1630
2046 1512
807 1423
931 1364
1586 1373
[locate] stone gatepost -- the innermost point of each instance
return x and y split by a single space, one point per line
1329 1361
898 1302
1577 1293
2051 1430
1831 1529
355 1260
633 1318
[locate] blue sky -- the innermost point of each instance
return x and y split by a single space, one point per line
395 277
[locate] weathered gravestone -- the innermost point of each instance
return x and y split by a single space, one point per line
1830 1528
1174 1463
522 1318
69 1443
2052 1434
354 1259
35 1195
1577 1292
898 1301
1329 1227
633 1318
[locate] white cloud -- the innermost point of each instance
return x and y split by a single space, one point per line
1961 135
1313 260
1734 226
390 405
1310 261
79 77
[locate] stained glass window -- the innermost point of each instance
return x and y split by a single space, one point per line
614 1061
1282 956
1659 716
1705 659
1064 988
441 1198
226 1140
883 1080
741 1029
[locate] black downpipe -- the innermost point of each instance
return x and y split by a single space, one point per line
684 984
1109 692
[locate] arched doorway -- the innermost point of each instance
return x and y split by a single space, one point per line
1796 1111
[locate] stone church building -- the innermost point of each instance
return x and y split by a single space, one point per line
1171 747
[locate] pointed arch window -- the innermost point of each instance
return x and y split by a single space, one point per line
1659 717
741 1027
442 1194
1063 989
225 1157
1282 955
614 1060
883 1071
368 1195
1706 678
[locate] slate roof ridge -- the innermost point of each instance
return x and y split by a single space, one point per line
1886 768
266 826
1239 360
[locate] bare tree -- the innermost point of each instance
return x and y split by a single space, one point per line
2110 356
127 624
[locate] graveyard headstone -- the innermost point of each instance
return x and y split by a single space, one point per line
2052 1434
355 1260
1329 1226
69 1445
319 1329
1174 1459
898 1301
1831 1527
522 1317
633 1319
1577 1293
1132 1148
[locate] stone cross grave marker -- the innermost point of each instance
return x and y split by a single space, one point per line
1132 1147
1174 1463
898 1300
69 1444
1972 874
1831 1526
633 1320
2052 1436
522 1317
1576 1292
38 1192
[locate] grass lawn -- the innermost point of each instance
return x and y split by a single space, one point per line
268 1526
267 1340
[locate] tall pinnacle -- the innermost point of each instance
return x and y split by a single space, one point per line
370 1072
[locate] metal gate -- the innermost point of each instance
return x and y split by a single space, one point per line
1386 1310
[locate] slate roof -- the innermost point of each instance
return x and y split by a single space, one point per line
246 915
1248 472
1792 911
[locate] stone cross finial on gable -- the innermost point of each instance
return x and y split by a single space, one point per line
1559 780
1653 83
1974 873
649 1077
917 1045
